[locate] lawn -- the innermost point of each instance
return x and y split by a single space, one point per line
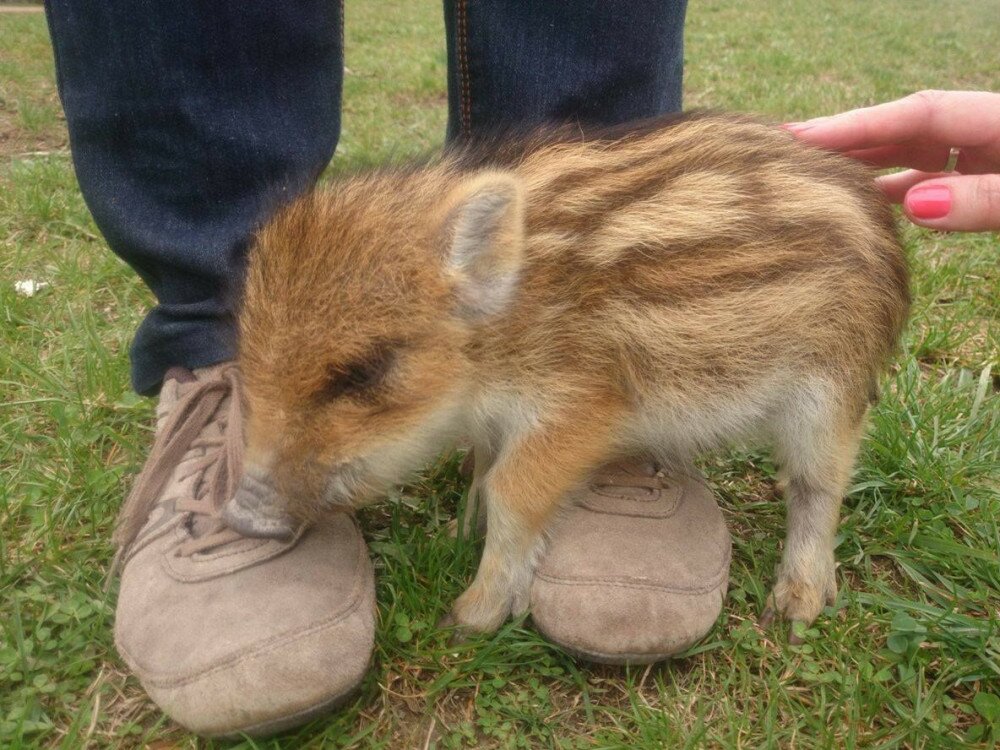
909 656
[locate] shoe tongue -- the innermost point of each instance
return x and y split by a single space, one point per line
176 382
179 375
204 524
173 386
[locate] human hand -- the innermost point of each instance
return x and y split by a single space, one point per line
918 132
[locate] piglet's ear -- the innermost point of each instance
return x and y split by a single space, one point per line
484 236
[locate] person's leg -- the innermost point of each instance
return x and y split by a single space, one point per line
638 566
520 62
187 123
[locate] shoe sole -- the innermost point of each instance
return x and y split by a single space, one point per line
614 659
264 729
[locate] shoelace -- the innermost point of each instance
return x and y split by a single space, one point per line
613 477
220 467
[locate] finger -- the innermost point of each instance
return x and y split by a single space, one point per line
896 185
949 118
929 159
963 203
923 157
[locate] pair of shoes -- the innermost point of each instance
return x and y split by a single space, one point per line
233 635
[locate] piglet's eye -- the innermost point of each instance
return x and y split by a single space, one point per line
357 377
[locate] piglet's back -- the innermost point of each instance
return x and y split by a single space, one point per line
705 246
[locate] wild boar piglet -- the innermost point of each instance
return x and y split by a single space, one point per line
564 300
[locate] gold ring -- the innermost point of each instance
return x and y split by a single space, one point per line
952 162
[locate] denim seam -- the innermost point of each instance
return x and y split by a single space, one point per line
343 59
463 66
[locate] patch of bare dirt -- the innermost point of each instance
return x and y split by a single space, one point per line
15 142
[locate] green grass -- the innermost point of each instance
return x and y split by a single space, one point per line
908 657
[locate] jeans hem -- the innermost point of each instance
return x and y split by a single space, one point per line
199 344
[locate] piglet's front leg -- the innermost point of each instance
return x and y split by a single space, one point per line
524 487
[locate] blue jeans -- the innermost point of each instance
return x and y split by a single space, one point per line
190 121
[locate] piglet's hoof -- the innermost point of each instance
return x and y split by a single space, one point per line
460 634
456 637
256 511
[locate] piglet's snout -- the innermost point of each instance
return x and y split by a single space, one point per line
257 510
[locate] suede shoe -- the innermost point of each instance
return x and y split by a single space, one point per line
636 569
231 635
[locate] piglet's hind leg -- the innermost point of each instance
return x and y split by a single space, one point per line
817 456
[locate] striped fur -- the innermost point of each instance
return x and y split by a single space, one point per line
564 299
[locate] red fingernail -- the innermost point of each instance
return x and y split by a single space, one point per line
928 201
796 127
801 127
